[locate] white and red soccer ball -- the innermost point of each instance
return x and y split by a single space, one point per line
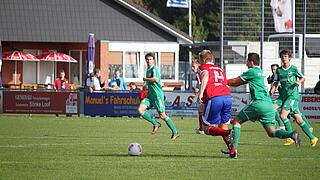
134 149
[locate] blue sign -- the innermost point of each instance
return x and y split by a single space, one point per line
111 104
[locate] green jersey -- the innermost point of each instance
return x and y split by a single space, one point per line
287 78
154 88
257 84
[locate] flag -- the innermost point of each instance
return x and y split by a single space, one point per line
178 3
90 54
282 15
0 64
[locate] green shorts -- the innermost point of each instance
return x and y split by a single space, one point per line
290 103
156 102
258 110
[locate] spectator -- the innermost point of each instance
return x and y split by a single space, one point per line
117 82
143 93
93 83
133 87
62 82
317 88
97 74
274 68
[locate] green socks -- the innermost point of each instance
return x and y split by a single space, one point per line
306 129
169 122
171 125
282 134
306 120
149 118
236 137
287 124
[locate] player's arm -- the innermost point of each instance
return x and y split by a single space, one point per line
204 81
236 81
301 80
274 88
150 79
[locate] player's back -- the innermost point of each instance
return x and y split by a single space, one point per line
217 81
257 84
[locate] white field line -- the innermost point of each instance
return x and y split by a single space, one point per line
141 159
62 144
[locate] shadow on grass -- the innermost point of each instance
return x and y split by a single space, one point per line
159 155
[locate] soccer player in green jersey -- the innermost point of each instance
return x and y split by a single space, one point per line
289 79
261 107
155 98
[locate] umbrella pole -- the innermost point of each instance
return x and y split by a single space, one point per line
15 73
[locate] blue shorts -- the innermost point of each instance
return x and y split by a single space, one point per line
217 110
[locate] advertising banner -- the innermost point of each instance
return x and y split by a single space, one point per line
179 105
111 104
1 101
310 106
37 102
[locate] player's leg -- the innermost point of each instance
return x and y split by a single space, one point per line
142 111
225 120
284 116
282 134
158 103
200 114
307 122
305 129
247 113
277 114
170 124
212 116
236 124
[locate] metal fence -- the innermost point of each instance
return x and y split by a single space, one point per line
248 24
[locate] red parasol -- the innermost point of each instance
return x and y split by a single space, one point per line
58 57
18 56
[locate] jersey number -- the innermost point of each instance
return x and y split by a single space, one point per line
218 76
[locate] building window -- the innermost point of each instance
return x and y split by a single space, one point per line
167 65
132 62
116 63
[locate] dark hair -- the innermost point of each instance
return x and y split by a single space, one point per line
255 58
96 70
149 55
285 52
62 71
274 65
132 83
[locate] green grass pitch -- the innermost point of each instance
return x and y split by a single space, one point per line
49 147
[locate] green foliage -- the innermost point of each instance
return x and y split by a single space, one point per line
46 147
205 17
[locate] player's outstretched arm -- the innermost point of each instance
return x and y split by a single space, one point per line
236 82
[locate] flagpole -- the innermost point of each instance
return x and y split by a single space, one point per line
293 29
190 34
262 34
221 33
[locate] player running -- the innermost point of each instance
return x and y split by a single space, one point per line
195 69
261 107
216 97
155 98
290 79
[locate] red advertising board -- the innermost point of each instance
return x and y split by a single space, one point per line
37 102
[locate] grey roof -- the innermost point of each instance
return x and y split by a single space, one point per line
73 20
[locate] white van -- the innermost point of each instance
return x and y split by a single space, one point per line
310 66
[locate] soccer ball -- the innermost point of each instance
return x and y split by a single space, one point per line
134 149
